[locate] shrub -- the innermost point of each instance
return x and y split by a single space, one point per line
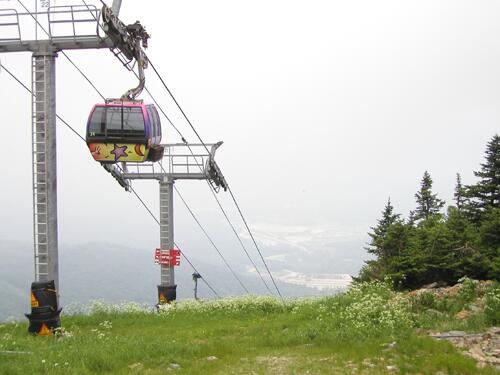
468 289
426 300
227 306
492 305
374 306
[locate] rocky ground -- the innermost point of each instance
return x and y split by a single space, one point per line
484 347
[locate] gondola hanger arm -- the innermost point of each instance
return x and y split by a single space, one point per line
131 40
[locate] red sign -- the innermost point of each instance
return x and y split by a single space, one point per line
168 257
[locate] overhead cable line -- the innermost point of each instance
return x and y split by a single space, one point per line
27 89
137 76
190 149
211 241
102 96
135 193
254 242
222 209
64 53
229 188
177 104
184 140
213 193
183 253
238 237
206 148
211 188
84 75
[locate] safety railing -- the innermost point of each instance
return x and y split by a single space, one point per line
9 25
178 159
75 21
65 22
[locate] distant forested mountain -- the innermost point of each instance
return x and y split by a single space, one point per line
115 274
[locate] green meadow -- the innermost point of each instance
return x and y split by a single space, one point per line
369 330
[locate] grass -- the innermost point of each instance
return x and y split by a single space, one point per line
246 336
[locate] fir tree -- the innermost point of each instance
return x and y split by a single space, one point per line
459 194
376 245
486 193
465 242
411 218
490 240
427 203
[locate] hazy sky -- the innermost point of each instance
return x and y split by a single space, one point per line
326 108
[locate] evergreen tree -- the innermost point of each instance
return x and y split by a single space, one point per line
465 242
427 256
490 241
459 193
490 230
486 193
380 246
411 218
400 259
427 203
465 234
376 245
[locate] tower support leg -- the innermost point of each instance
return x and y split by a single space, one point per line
167 287
44 317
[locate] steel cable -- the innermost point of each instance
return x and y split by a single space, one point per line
132 189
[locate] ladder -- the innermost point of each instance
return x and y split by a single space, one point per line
39 163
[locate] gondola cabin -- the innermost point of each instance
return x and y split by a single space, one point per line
124 131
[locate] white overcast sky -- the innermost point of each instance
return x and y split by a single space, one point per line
326 108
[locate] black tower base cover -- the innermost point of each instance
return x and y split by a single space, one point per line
44 317
166 294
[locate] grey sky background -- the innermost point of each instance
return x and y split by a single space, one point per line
326 109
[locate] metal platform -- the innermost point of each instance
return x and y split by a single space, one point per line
180 161
58 28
